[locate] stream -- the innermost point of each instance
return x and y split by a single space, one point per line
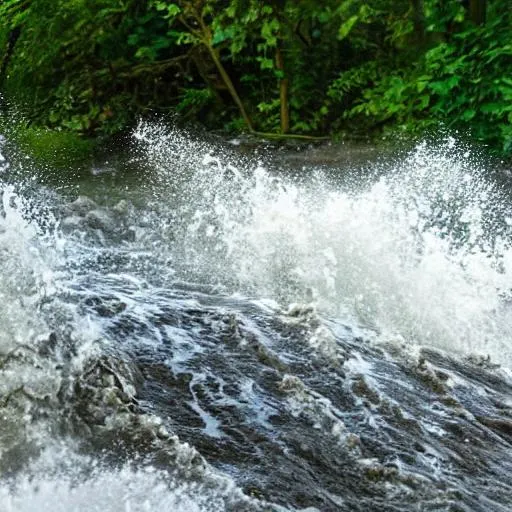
194 325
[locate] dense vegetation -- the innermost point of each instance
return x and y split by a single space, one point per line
281 66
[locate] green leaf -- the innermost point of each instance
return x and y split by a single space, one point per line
269 31
220 35
346 27
133 39
444 87
424 101
468 114
493 108
265 63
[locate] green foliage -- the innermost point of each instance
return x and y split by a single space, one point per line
87 66
194 100
461 82
92 67
49 148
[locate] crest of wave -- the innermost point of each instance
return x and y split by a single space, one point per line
423 252
26 275
60 480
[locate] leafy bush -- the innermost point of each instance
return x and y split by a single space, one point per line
461 81
299 66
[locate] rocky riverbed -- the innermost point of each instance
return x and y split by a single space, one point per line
214 333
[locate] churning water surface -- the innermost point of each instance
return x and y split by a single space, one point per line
207 331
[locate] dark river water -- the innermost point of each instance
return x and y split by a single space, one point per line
200 326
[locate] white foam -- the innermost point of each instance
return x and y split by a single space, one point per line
62 481
423 252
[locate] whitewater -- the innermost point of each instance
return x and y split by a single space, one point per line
190 325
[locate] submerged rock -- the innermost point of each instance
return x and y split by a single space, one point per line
71 223
81 206
84 214
101 219
121 208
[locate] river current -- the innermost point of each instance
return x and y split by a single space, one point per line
193 327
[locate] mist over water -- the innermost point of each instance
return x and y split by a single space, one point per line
64 481
218 332
420 251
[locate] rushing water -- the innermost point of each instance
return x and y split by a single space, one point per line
195 329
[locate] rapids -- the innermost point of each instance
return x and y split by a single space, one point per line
194 327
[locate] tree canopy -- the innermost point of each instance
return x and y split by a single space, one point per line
281 66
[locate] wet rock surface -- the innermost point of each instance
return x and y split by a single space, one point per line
145 334
251 392
386 429
83 215
100 219
81 206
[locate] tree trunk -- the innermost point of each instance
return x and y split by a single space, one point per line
13 38
230 86
206 75
283 93
477 11
418 20
204 36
